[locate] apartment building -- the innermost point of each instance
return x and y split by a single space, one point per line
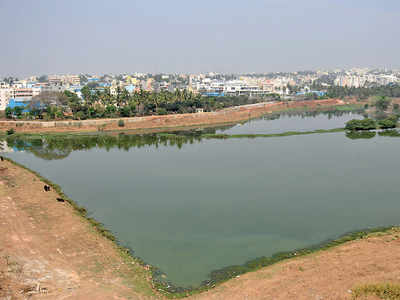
5 93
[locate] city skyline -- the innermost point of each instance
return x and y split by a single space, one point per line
179 37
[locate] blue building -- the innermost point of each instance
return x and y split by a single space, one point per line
318 93
130 88
23 103
213 94
18 103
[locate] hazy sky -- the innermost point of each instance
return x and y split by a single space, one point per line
96 36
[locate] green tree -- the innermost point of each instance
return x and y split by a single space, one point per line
382 103
365 124
390 122
18 111
9 112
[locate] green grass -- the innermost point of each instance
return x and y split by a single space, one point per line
252 136
385 291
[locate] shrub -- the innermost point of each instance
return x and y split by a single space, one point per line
365 124
10 131
121 123
390 122
382 103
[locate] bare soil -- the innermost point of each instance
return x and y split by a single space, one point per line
330 274
48 251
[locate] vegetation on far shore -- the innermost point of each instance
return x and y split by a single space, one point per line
384 120
100 103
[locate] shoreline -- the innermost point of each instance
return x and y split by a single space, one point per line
222 276
168 122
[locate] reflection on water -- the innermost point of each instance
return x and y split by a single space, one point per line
293 121
60 146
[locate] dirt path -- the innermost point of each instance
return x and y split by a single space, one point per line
49 252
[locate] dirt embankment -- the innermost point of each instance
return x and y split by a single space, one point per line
47 251
333 274
229 115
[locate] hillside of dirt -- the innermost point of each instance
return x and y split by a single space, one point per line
48 251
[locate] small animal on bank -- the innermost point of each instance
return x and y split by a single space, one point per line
46 188
60 200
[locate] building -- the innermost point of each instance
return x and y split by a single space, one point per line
238 87
5 93
23 94
12 103
55 79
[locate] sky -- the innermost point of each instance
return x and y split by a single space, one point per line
183 36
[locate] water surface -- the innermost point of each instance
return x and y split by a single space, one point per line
282 122
194 207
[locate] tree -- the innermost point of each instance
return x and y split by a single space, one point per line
382 103
365 124
390 122
9 112
43 78
18 111
86 93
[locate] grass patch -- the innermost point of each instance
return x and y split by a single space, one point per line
386 291
252 136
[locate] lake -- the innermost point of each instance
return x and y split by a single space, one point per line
193 207
282 122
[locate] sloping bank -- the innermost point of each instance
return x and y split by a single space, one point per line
229 115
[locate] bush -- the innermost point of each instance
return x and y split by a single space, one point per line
10 131
365 124
387 123
382 103
121 123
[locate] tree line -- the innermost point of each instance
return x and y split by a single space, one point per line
101 103
392 91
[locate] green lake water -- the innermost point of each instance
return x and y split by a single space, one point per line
213 203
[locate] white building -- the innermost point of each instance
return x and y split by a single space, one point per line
5 93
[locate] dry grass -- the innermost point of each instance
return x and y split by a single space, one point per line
386 291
